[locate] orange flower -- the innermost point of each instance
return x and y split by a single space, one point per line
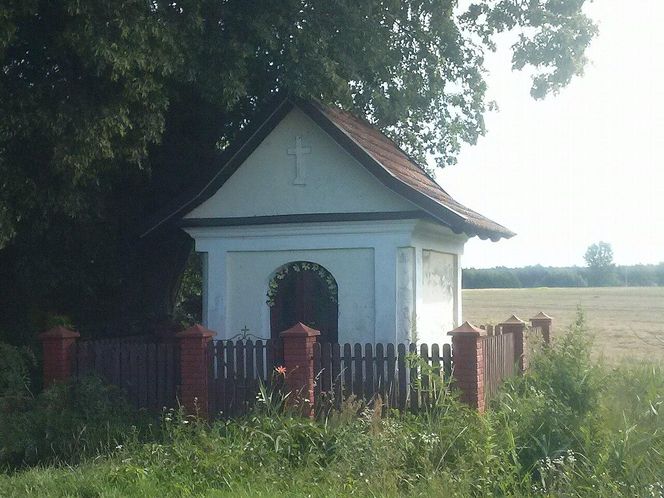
281 370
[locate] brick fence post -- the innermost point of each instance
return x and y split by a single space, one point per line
299 362
194 369
468 357
514 325
58 346
545 322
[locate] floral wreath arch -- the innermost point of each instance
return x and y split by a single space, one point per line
300 266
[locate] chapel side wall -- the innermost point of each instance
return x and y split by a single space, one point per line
438 289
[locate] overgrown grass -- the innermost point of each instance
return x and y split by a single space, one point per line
569 427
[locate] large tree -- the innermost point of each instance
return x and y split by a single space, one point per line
601 269
109 109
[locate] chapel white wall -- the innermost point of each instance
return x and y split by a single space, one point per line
398 281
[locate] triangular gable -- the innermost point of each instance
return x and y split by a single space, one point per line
298 169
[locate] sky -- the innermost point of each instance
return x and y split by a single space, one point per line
583 166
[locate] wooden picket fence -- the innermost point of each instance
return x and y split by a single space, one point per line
147 371
499 360
401 375
235 371
237 368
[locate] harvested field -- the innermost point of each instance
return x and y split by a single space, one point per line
627 321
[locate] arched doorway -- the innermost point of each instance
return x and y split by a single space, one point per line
305 292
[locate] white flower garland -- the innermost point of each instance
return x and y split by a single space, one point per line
273 286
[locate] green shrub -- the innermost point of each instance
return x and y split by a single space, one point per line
67 423
550 410
15 366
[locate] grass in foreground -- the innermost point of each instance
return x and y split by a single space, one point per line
569 427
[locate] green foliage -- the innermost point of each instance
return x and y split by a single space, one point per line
493 278
549 409
599 255
15 366
601 270
548 276
65 423
189 303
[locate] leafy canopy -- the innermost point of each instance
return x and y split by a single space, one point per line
599 256
86 87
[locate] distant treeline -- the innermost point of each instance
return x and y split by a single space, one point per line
574 276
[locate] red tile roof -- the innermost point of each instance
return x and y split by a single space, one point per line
388 154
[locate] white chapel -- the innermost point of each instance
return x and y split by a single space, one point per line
317 217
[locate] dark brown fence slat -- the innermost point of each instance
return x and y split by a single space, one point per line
317 369
250 386
380 370
241 377
151 375
414 378
326 365
447 360
424 376
125 362
117 365
270 359
142 375
160 380
358 379
260 361
229 398
134 362
392 382
336 374
347 371
172 372
220 379
369 389
403 377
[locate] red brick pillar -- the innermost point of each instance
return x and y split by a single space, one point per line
468 357
514 325
299 362
194 369
545 322
58 346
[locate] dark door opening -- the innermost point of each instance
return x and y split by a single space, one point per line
304 292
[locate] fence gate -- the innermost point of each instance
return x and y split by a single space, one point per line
236 369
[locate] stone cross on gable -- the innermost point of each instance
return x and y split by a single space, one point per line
300 167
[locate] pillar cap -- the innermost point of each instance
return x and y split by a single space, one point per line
513 320
467 329
300 330
541 316
59 332
196 330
